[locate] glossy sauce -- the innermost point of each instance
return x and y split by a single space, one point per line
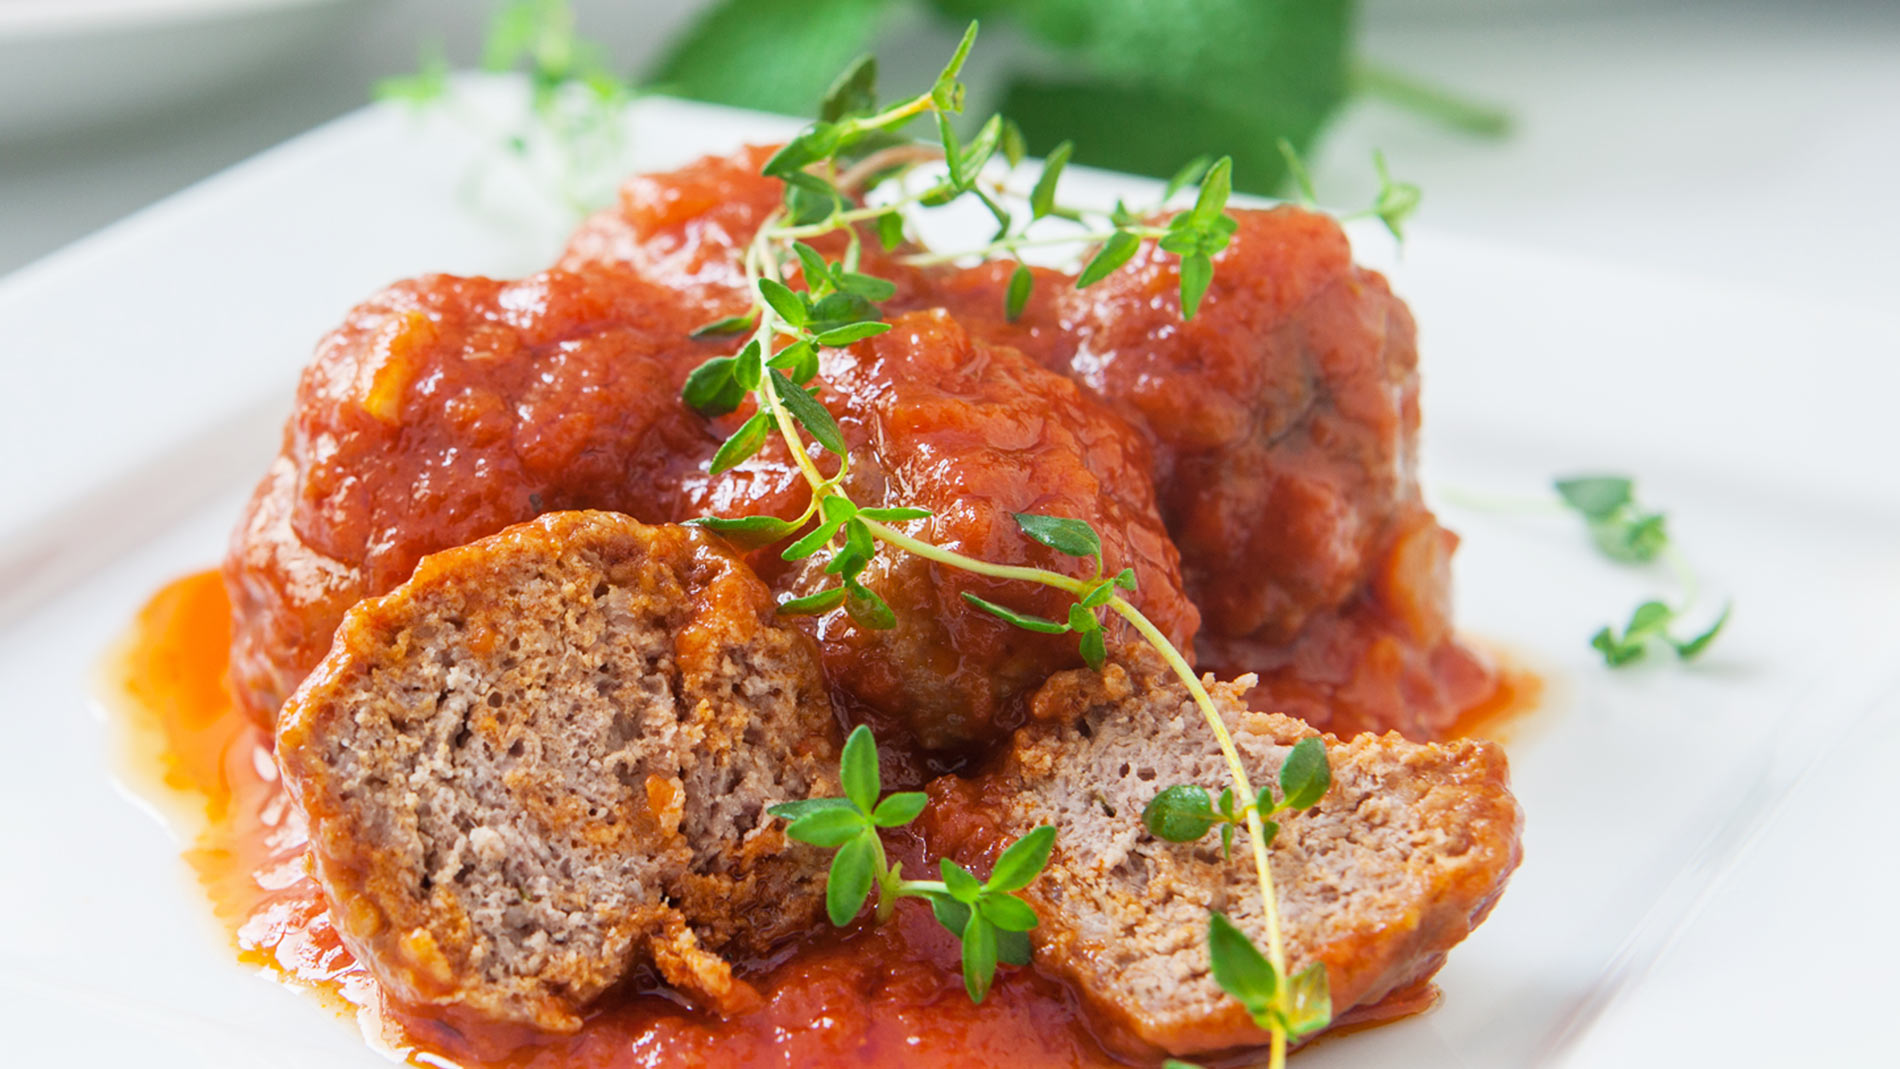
870 996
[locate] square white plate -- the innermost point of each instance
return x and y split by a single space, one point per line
149 368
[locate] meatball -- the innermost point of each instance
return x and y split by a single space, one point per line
1404 855
546 759
1285 419
442 410
975 433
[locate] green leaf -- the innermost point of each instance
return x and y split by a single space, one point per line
1693 648
1116 251
895 515
979 956
853 93
899 809
1197 271
1650 619
1309 1002
1020 619
789 306
1189 174
1616 653
1083 620
1296 170
813 267
1396 201
747 532
1268 829
947 92
857 768
1019 865
1013 146
1094 649
795 810
1007 912
840 337
959 881
1629 537
1021 282
745 366
744 442
867 609
1216 186
1042 198
809 413
1125 579
870 287
1180 814
1305 776
950 913
1012 948
728 325
813 541
890 230
841 309
849 883
1597 497
798 360
1073 537
827 827
812 604
1097 596
1153 84
856 554
1176 1063
1239 967
768 54
1226 840
713 389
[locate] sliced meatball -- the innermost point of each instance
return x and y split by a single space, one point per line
441 411
546 759
1402 858
975 433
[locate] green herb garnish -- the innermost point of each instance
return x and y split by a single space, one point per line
987 916
839 306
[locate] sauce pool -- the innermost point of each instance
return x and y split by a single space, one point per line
867 996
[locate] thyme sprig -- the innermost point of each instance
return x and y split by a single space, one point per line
1185 812
829 169
987 916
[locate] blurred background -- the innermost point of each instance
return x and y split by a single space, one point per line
1748 141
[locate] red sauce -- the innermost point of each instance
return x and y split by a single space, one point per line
867 996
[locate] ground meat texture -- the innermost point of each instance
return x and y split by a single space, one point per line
545 761
1402 858
974 433
442 410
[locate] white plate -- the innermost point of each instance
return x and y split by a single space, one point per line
149 366
69 62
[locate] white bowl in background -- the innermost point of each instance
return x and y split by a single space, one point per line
66 63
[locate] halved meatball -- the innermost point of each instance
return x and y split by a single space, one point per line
1402 858
442 410
546 759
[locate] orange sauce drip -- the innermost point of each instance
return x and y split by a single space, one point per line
1517 692
868 996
